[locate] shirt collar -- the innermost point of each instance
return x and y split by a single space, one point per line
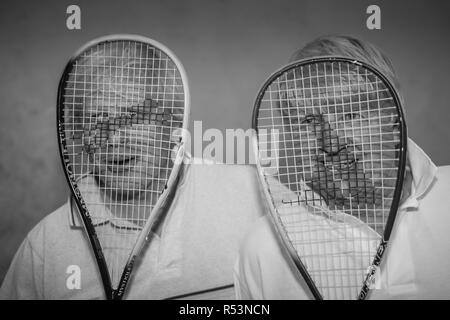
423 171
100 214
420 172
103 215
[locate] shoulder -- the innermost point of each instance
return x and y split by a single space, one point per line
435 201
53 222
263 270
25 276
219 200
440 187
230 188
261 241
443 178
444 172
53 231
229 173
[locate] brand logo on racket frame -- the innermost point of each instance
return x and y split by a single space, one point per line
370 281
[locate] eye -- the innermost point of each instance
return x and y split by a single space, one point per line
352 116
311 119
98 115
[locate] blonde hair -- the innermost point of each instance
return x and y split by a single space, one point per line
350 47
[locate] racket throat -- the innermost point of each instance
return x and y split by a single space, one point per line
126 275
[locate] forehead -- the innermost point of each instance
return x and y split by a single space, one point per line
112 77
331 88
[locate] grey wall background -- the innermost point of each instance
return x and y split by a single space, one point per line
228 49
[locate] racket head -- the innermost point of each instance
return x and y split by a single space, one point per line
122 114
324 128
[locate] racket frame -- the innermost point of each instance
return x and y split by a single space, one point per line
282 235
158 209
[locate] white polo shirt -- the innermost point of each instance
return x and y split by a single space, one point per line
416 264
212 210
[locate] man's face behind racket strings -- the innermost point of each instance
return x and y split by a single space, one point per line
342 130
125 133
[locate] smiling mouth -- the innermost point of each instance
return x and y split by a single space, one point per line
120 164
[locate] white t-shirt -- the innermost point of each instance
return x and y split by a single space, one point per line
214 206
416 264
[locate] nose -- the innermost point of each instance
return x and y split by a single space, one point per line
111 131
328 140
117 137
